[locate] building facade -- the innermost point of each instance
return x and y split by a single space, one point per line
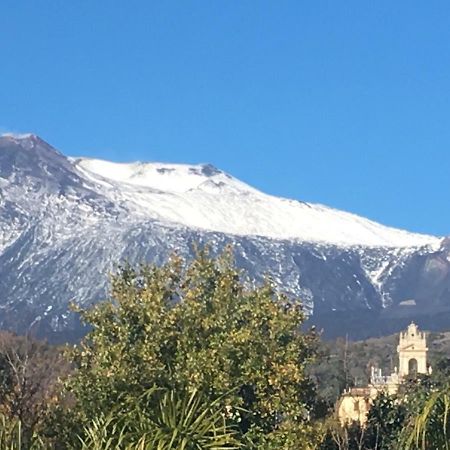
412 352
355 403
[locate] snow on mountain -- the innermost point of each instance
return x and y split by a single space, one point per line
206 198
66 222
18 136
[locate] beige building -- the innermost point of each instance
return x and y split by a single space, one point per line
354 404
412 352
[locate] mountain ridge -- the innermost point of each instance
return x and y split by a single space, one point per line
95 169
65 222
131 177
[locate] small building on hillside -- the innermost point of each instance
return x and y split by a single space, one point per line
355 403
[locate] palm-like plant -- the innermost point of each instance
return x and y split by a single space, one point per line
189 423
184 422
430 430
103 433
12 436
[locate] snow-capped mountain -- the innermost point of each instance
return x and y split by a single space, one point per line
206 198
65 222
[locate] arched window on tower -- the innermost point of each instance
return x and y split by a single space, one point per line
412 367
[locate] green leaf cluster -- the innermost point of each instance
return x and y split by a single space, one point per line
183 422
199 327
385 422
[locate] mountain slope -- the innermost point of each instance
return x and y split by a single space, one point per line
206 198
65 222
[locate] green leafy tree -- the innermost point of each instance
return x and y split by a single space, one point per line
385 422
441 372
203 328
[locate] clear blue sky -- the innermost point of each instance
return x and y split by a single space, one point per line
345 103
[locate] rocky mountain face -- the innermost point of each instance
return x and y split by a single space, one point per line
65 223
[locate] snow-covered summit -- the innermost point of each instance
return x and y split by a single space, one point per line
200 197
179 178
203 197
18 136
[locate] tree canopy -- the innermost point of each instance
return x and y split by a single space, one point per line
200 327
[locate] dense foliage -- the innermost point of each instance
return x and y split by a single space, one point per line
430 428
193 356
199 328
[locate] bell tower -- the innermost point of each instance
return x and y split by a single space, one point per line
412 352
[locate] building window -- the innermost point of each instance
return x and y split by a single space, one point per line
412 366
